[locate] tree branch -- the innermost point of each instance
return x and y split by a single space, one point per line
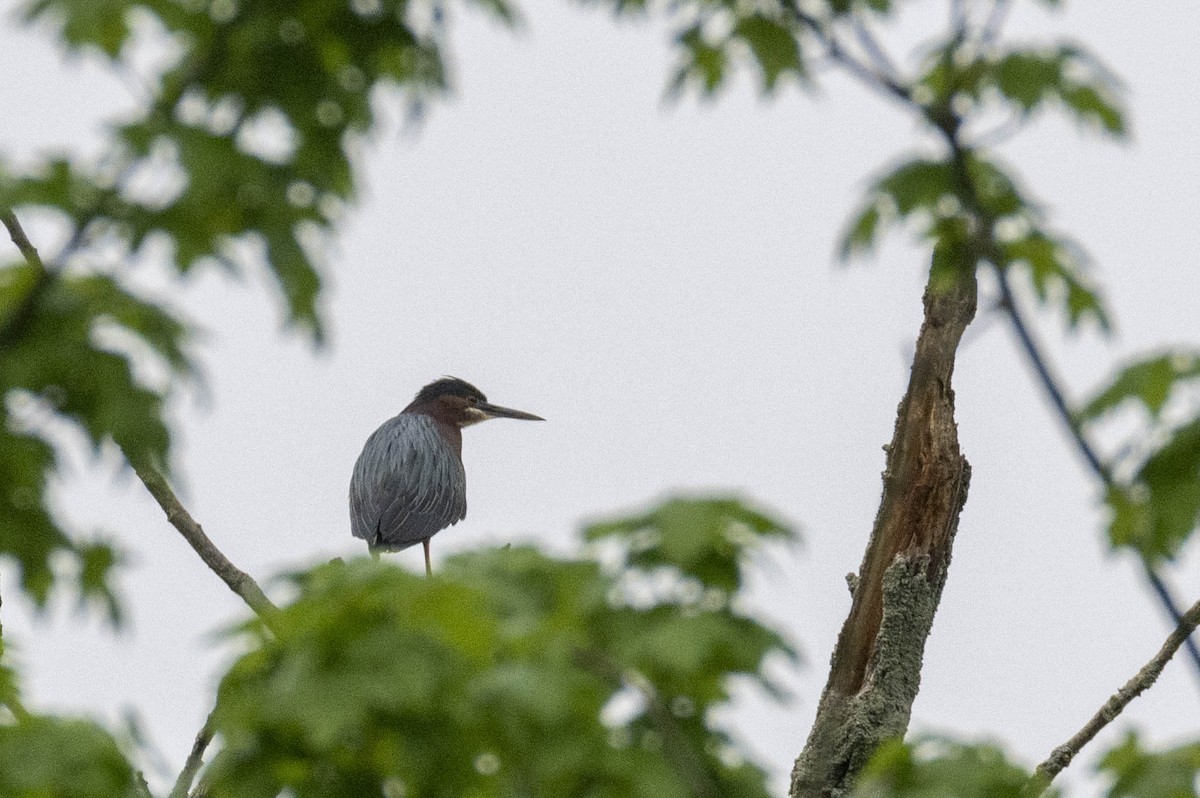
42 278
238 580
195 759
995 21
885 84
1037 360
876 665
1061 757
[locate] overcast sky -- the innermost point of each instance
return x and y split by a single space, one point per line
659 282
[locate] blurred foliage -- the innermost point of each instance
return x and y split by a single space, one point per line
1154 508
74 360
10 694
242 153
240 156
963 202
44 757
510 672
1024 81
934 196
1138 773
931 767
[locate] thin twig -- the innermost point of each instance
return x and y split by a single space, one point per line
1063 754
195 759
874 50
42 278
995 21
21 240
1050 385
238 580
837 51
958 18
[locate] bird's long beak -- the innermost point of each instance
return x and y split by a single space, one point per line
495 411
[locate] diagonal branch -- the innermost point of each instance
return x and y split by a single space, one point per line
13 327
1050 385
1063 754
886 84
195 759
238 580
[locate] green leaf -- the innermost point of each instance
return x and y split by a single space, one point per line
915 188
1150 381
1138 773
996 192
1027 80
1093 106
97 562
102 24
1159 512
57 184
28 534
703 63
10 692
58 363
47 757
492 678
1056 270
933 766
703 538
860 237
159 330
918 185
774 48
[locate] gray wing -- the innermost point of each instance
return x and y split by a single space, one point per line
407 484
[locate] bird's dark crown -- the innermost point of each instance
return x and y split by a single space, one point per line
448 386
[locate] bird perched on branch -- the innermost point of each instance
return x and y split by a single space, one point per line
409 482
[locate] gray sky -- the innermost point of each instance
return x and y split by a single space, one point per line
659 283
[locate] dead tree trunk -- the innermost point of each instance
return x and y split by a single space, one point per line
876 665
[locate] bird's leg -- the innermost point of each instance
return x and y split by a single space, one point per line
428 567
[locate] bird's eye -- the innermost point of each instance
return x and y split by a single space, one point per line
473 399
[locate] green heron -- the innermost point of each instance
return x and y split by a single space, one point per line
409 482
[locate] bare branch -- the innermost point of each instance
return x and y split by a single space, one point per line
238 581
874 50
1061 757
880 82
12 327
21 240
995 22
1058 400
195 759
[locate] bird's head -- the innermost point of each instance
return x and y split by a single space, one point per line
460 403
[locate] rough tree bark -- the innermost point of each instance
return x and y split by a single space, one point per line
876 666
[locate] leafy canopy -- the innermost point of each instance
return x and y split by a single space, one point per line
509 672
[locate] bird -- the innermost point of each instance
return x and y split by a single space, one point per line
409 482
